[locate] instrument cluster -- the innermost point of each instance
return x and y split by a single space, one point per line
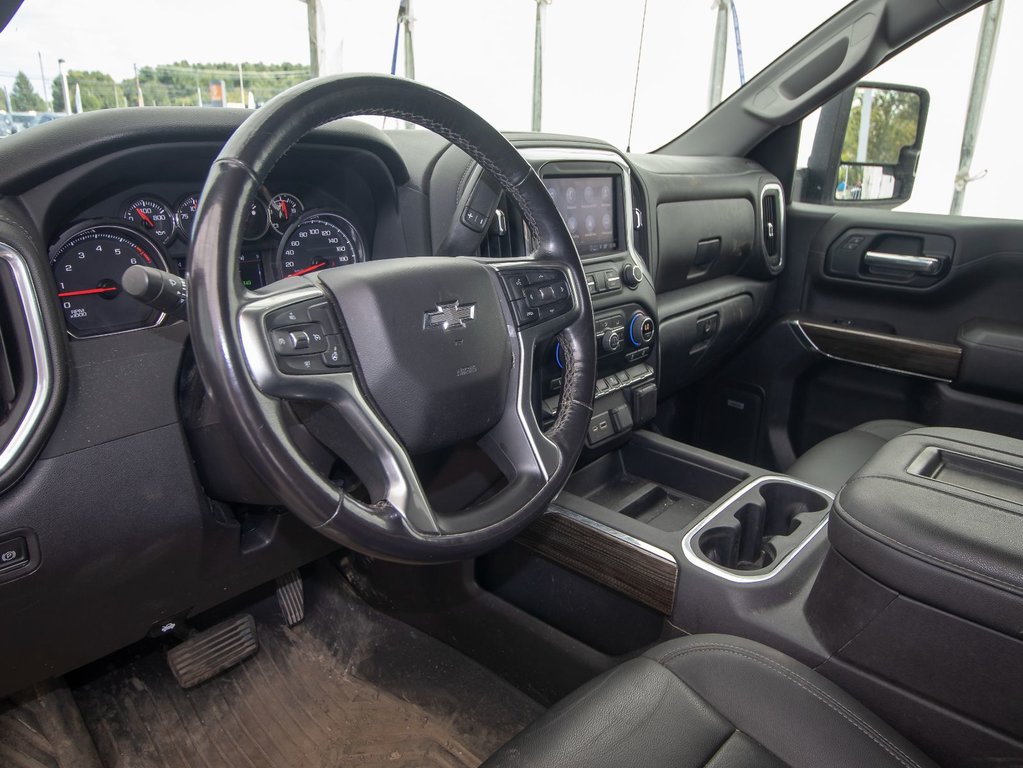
282 238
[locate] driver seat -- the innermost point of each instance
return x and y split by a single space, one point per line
714 701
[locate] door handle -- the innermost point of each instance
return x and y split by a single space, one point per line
920 265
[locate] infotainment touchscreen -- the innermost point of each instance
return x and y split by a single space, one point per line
587 204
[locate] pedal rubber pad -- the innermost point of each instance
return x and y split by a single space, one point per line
290 597
208 653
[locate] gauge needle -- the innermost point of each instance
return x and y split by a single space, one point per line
87 292
144 218
307 270
284 210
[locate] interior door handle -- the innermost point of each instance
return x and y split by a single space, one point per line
920 265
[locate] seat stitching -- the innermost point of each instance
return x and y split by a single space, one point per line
837 706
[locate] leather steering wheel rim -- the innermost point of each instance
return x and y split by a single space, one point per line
218 306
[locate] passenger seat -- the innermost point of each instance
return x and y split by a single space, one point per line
831 462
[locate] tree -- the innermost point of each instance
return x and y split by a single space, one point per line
24 97
893 125
97 90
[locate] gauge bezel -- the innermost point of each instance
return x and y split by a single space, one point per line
339 219
266 221
125 227
172 214
186 236
270 208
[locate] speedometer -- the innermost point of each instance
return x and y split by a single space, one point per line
88 264
318 241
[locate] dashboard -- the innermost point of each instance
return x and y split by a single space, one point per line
124 481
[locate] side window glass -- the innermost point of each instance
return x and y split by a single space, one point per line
955 166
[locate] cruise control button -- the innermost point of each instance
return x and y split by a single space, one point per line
560 290
336 355
299 340
294 315
323 314
304 364
525 314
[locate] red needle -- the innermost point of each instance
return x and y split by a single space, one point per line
284 209
313 268
145 218
87 292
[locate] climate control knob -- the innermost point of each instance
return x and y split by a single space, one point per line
641 329
632 275
612 341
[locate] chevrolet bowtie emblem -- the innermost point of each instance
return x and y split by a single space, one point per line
449 316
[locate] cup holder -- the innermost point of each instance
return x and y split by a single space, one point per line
760 526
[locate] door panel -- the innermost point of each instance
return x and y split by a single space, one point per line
935 338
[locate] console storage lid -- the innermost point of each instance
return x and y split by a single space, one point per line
937 514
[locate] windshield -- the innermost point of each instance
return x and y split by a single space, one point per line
58 57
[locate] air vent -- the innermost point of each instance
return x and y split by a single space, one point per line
503 238
26 376
772 222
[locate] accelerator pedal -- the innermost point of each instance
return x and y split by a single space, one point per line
208 653
290 597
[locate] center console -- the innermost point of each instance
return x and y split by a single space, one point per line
593 192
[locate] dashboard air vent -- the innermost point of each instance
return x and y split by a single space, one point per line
772 222
8 392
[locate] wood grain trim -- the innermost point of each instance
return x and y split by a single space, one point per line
898 354
609 557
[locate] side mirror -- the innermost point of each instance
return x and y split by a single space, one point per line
867 146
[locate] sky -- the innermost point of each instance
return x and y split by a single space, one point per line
481 52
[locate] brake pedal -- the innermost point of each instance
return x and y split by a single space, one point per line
291 597
208 653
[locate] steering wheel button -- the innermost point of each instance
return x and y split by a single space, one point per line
293 315
525 314
304 364
515 283
299 340
324 316
560 290
537 276
534 296
336 355
553 310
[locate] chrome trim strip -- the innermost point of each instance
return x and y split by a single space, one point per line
804 338
923 265
614 533
40 354
740 578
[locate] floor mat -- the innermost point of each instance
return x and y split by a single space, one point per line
346 687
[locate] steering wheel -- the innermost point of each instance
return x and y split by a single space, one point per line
399 357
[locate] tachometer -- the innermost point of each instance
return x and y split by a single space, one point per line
152 216
88 263
319 241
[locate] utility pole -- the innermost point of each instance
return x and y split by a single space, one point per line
63 84
717 72
47 97
7 99
241 86
866 110
313 18
138 87
538 41
405 19
987 41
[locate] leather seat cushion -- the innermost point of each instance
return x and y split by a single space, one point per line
709 700
831 462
